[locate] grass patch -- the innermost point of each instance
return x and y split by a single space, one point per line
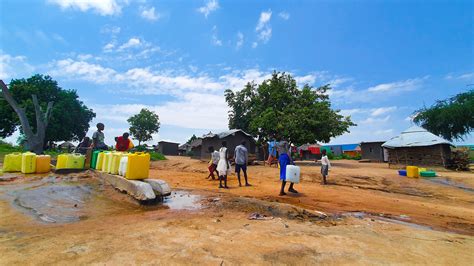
156 156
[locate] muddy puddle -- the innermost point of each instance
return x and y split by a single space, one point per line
182 200
56 200
450 183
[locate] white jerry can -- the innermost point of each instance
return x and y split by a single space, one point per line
292 173
123 166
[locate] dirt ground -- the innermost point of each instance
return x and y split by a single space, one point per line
373 216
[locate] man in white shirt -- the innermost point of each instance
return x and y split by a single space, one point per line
325 165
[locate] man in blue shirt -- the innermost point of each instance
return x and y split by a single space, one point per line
241 159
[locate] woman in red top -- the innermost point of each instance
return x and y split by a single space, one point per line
123 143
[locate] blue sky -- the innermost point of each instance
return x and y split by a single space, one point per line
384 59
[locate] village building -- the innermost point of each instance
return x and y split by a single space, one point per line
351 150
310 152
168 148
233 138
373 151
418 147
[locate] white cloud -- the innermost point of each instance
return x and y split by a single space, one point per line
131 43
13 66
465 76
384 132
149 14
108 47
264 29
103 7
71 69
240 40
284 15
374 120
405 85
214 39
109 29
211 6
347 112
308 79
254 45
382 110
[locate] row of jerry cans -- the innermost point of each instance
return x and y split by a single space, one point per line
128 165
26 163
70 161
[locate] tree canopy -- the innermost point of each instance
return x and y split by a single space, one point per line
143 125
191 139
277 108
69 118
452 118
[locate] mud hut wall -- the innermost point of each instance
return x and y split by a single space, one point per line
232 142
435 155
372 151
168 148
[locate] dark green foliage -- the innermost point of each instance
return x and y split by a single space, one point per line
452 118
143 125
193 138
277 108
69 117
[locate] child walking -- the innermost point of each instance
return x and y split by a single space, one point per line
213 163
223 166
325 165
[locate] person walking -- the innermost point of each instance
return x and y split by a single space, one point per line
213 163
325 165
241 157
223 166
284 160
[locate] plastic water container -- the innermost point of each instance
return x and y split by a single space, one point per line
123 165
421 169
105 162
43 164
28 163
402 172
12 162
138 166
115 163
62 161
75 161
428 174
292 174
95 155
100 160
412 171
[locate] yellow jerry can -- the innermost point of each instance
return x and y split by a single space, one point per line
62 161
75 161
100 160
138 166
43 163
115 162
28 162
12 162
105 162
412 171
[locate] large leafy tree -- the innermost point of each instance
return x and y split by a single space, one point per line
67 119
452 118
277 108
143 125
191 139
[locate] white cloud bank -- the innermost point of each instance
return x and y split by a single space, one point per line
149 14
103 7
209 7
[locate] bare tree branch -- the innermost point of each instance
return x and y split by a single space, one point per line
20 111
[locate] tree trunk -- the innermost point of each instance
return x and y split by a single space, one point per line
34 141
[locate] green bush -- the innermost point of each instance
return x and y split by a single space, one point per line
156 156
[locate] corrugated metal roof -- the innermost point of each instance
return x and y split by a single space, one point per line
224 134
415 136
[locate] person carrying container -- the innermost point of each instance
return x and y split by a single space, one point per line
284 159
213 163
123 143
